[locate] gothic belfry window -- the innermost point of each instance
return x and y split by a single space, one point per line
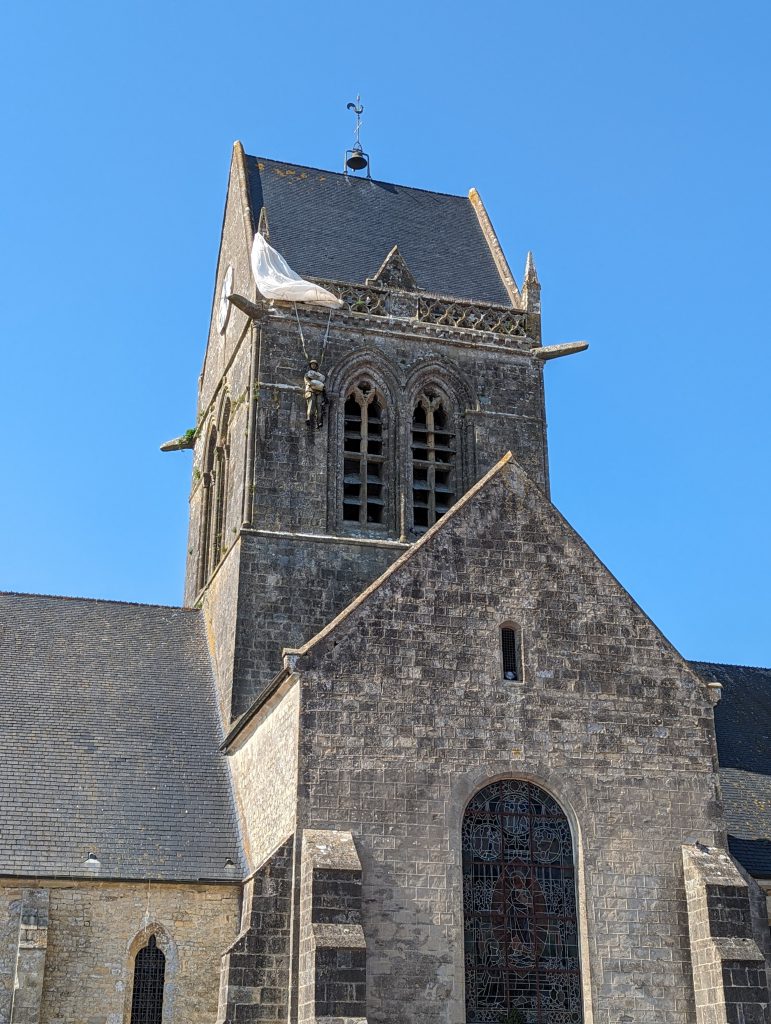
519 901
433 459
219 485
147 993
364 456
207 508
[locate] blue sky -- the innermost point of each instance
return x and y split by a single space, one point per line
627 144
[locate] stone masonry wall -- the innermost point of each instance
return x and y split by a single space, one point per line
405 714
729 967
92 939
225 372
220 611
256 968
496 391
264 771
289 588
333 955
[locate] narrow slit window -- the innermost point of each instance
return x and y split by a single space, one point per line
433 461
364 456
147 994
510 651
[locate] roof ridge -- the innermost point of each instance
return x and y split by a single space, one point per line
376 181
731 664
96 600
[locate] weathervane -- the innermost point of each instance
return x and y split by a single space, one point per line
356 159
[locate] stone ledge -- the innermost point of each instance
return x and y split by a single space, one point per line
338 936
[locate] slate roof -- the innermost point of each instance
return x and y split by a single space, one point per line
110 739
743 726
341 228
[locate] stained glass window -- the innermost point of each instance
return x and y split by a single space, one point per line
520 927
147 994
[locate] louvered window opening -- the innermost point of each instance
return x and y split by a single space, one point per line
519 901
363 457
509 649
433 461
147 995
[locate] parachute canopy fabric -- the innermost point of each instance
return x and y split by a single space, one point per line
275 279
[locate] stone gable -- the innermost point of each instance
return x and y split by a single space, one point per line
405 714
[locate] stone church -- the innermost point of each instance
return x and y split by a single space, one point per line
409 753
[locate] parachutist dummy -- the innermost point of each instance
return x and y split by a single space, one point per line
315 394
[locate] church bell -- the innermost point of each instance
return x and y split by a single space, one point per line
356 159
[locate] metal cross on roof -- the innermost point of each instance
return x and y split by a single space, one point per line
358 109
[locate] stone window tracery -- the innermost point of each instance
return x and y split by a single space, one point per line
147 992
364 455
433 459
520 921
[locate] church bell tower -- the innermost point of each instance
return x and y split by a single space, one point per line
329 440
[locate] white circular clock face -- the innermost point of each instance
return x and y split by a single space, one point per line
223 310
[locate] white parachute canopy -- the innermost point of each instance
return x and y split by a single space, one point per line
275 279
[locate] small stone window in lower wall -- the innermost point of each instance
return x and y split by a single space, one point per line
147 994
510 654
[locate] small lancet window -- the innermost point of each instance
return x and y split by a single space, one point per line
510 653
147 994
363 456
219 487
433 460
207 509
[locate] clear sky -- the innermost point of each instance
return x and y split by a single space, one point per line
626 143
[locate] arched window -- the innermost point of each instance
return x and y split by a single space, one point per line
519 900
364 456
147 993
207 508
433 459
510 653
220 484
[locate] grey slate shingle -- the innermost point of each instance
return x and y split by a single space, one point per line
110 736
743 726
340 227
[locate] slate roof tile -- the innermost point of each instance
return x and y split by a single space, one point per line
111 737
743 727
340 227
